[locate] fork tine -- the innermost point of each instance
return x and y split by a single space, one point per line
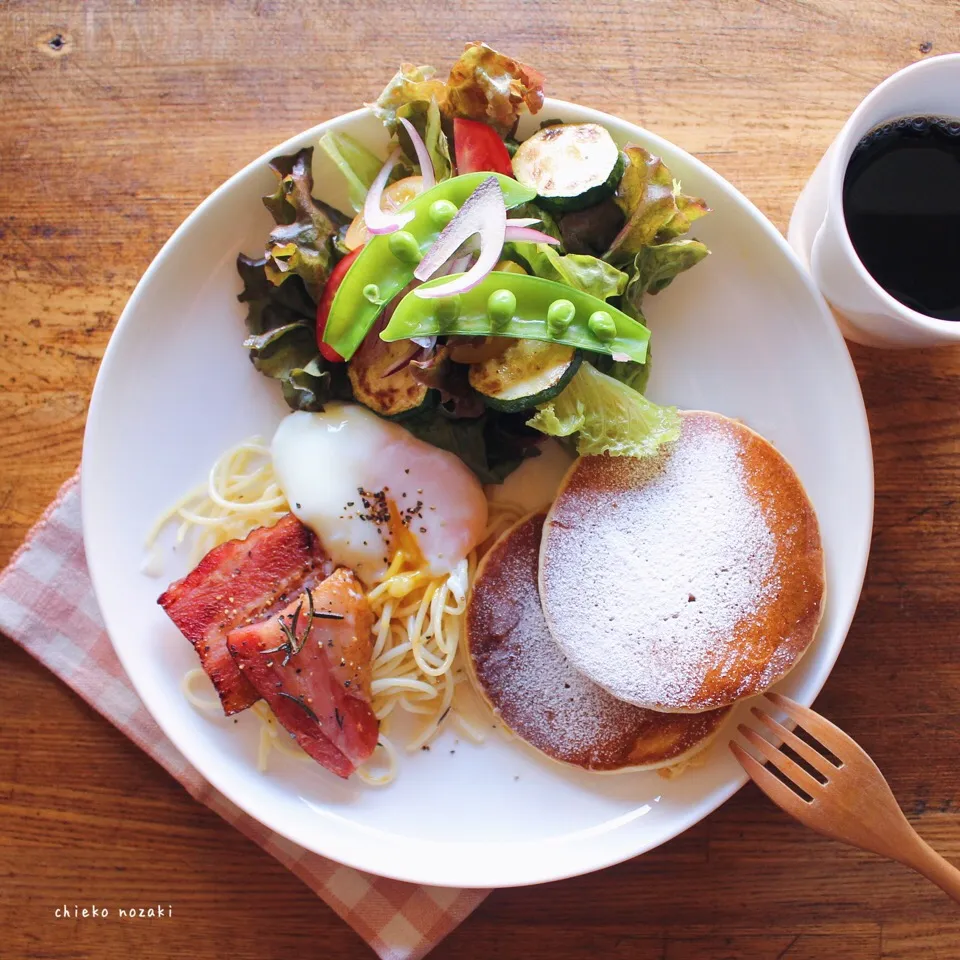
813 756
775 789
786 765
823 730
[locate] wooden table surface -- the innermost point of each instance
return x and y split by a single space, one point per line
117 119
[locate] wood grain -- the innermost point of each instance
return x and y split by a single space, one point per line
118 118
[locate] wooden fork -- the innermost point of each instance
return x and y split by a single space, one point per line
853 803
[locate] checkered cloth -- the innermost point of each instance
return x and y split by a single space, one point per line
48 607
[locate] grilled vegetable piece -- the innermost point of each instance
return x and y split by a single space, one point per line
525 373
522 307
570 165
392 395
385 265
475 349
237 583
311 663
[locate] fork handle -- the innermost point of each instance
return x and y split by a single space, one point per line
926 861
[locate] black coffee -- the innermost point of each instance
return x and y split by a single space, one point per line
901 201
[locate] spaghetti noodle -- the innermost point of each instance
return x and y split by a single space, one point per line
419 618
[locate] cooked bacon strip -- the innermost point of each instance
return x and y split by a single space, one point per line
319 685
237 583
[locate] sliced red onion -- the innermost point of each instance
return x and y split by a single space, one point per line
423 155
459 264
523 221
621 357
482 213
402 361
515 234
374 216
462 260
418 348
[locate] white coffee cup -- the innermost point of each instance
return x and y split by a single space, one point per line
818 232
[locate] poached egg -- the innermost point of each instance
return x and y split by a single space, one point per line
342 469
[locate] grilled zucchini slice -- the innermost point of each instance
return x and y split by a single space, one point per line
524 373
394 397
570 165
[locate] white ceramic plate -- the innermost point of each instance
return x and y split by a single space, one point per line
745 333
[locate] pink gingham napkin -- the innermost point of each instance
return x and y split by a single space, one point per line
48 607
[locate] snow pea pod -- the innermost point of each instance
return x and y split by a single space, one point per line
528 308
386 264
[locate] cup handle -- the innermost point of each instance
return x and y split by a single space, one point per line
829 261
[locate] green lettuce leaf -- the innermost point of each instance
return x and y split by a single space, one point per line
278 351
490 86
492 445
414 94
483 85
281 339
645 195
634 375
311 386
357 164
547 223
654 268
302 243
608 417
408 85
450 380
425 117
688 210
593 229
651 200
581 271
269 307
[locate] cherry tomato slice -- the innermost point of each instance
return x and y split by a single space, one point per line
478 148
326 300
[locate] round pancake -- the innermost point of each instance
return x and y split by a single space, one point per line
686 581
529 683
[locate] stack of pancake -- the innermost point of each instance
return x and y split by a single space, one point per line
615 631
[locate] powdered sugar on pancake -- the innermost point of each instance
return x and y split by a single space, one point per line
537 692
650 569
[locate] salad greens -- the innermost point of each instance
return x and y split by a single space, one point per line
654 267
357 164
491 445
487 85
632 374
280 288
657 214
302 243
608 417
310 386
614 237
483 85
652 202
410 84
449 379
593 229
580 271
425 117
281 339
